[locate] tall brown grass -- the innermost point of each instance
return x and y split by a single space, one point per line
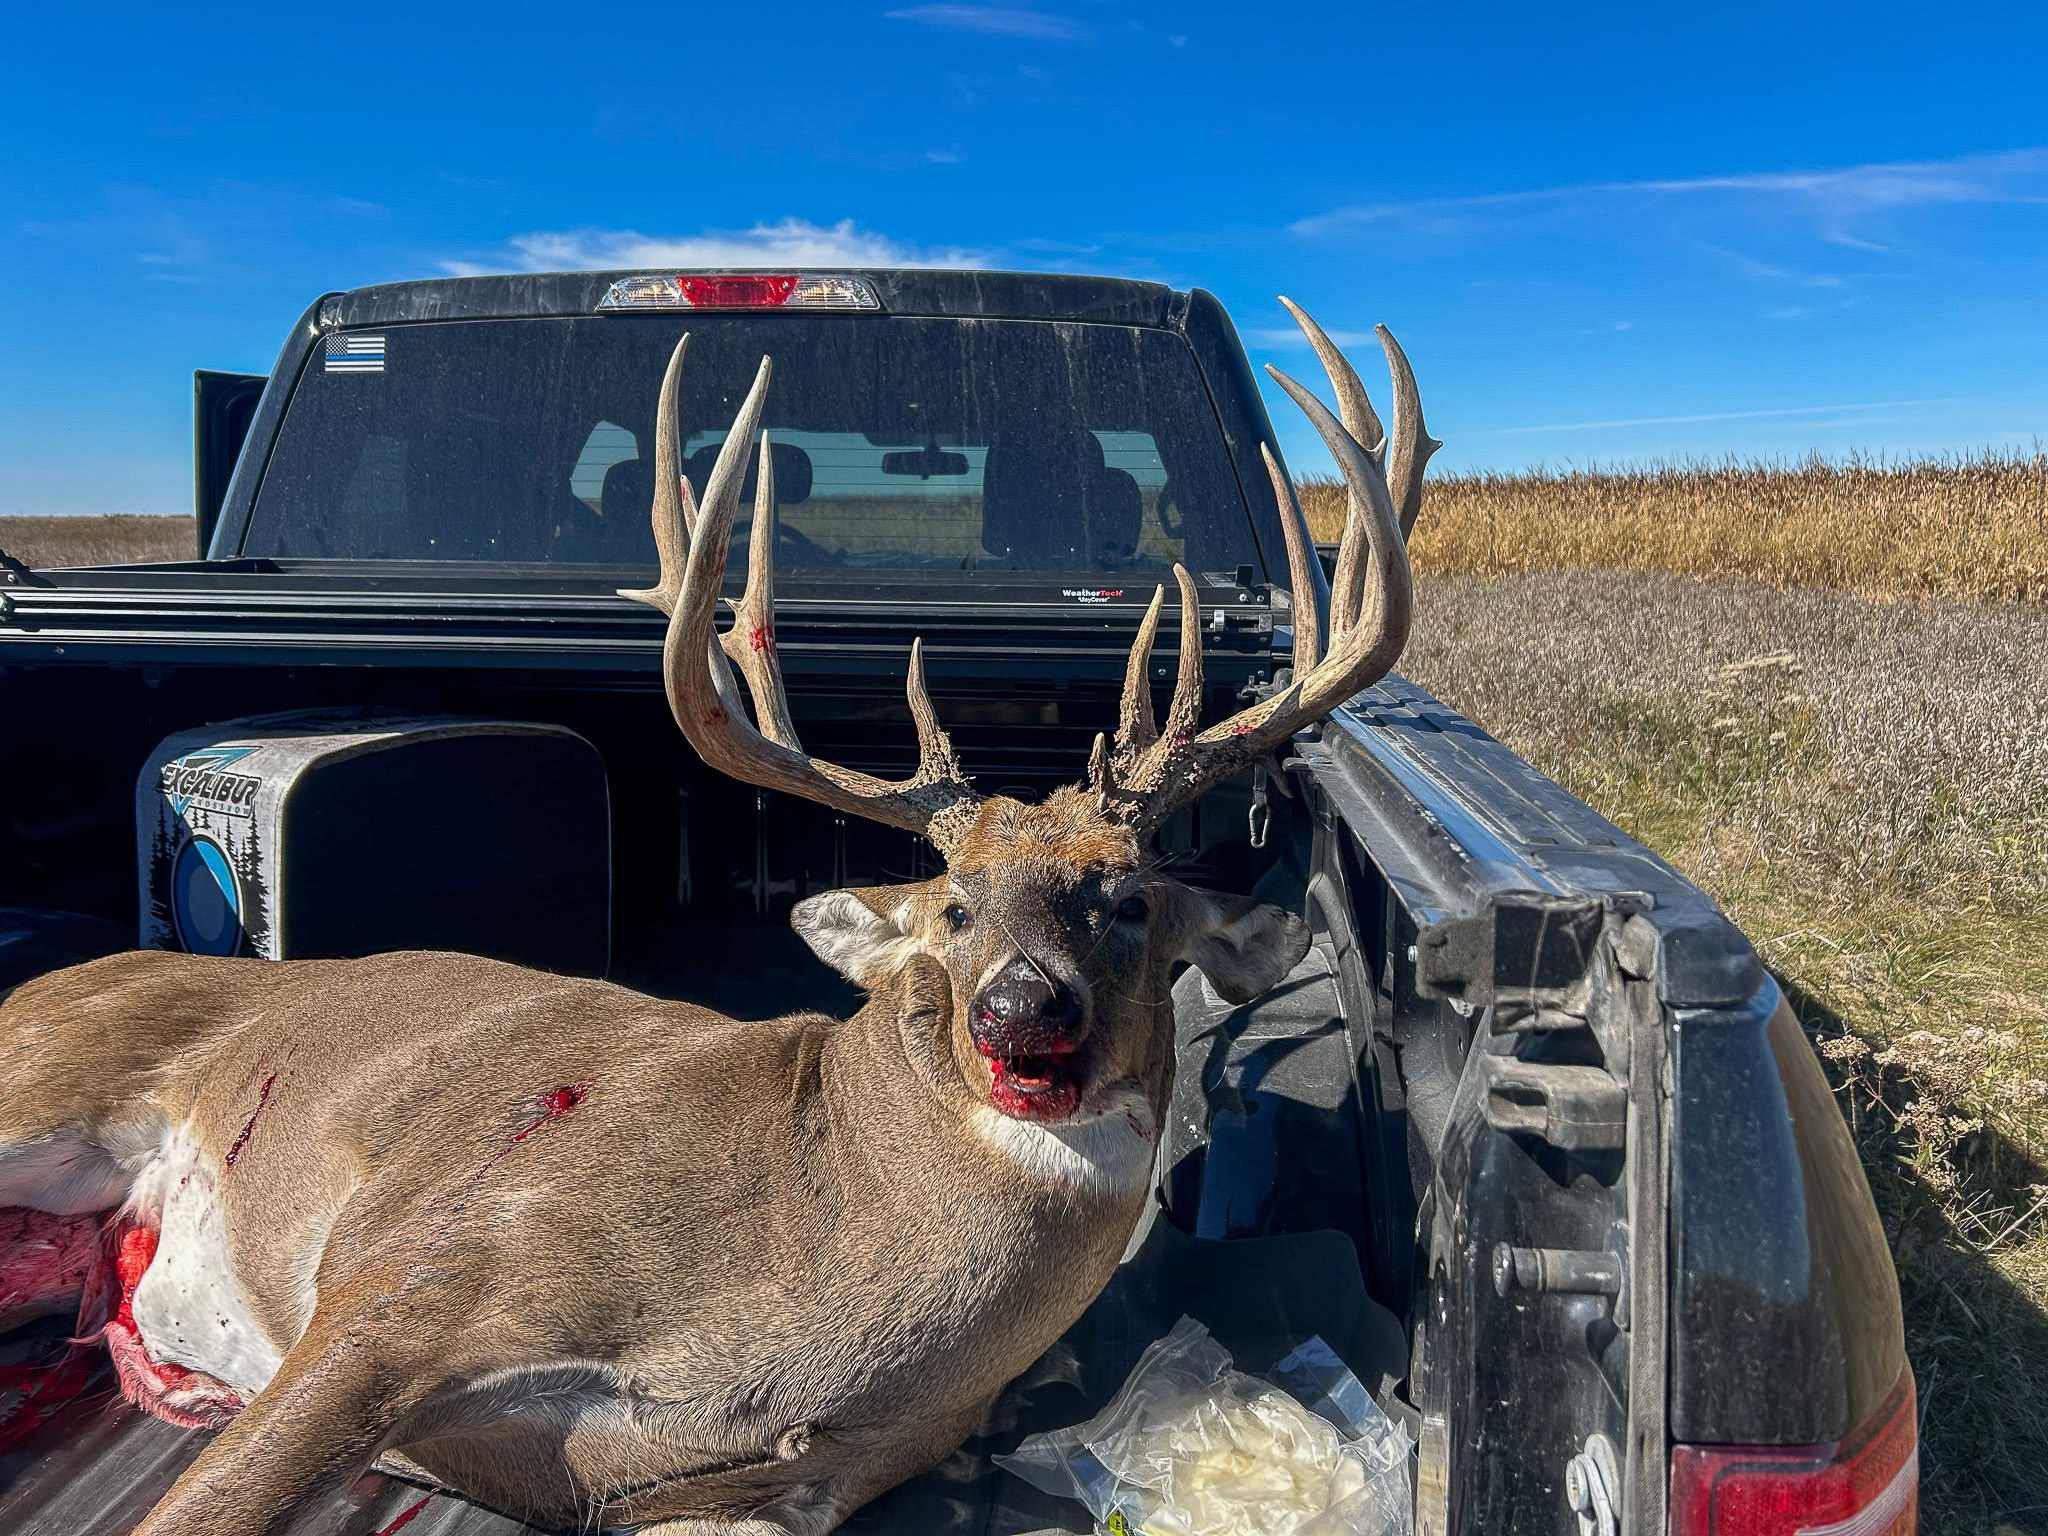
1968 526
1863 785
119 540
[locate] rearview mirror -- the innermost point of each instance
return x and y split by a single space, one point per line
925 462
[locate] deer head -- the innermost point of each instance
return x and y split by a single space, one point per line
1053 922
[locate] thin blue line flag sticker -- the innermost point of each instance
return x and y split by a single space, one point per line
355 354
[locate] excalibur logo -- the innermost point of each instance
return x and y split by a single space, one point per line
199 778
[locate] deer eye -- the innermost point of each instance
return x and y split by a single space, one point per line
1133 910
956 917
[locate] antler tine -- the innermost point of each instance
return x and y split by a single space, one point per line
1102 773
674 513
936 763
1308 639
751 640
1354 408
1410 446
1363 491
1370 614
1362 576
705 702
1148 772
1363 423
1136 727
669 483
1185 713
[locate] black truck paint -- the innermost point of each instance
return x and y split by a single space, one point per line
1578 1144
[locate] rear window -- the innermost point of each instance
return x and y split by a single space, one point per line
900 444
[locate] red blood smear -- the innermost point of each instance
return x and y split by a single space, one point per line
138 1250
761 638
138 1247
147 1382
553 1104
557 1102
241 1141
1054 1103
406 1518
44 1389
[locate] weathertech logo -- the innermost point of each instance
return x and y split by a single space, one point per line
1091 594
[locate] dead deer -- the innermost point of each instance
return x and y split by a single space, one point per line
597 1259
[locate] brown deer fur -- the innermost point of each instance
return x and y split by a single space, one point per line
599 1259
757 1274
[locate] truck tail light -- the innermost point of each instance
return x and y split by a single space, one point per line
742 290
1866 1485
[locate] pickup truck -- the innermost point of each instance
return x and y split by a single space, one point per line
1530 1138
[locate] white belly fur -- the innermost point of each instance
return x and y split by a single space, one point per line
190 1307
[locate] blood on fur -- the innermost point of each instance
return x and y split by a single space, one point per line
241 1141
552 1105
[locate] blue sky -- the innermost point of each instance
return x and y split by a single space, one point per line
1603 232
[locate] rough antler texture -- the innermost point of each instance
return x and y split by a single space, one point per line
936 800
1148 776
1402 454
1148 773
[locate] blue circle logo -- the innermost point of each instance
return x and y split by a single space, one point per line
206 899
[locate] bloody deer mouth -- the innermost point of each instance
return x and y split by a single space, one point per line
1035 1087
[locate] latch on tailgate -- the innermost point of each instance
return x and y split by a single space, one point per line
1528 955
1580 1109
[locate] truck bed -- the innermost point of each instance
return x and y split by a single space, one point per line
1277 1068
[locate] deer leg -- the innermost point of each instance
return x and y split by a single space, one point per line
778 1520
306 1436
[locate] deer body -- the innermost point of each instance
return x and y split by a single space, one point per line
598 1259
737 1266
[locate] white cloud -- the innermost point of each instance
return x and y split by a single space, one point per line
996 20
1835 196
790 243
1287 337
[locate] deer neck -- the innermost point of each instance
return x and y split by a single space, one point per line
900 1109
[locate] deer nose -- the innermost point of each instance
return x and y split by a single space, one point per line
1024 1011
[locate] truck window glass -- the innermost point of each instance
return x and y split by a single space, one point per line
900 443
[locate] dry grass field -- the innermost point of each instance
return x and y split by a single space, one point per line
1966 527
1822 692
96 540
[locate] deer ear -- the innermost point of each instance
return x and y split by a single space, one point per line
1244 947
861 933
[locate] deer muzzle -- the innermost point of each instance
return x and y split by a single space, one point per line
1030 1027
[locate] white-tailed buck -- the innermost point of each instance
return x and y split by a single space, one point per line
598 1259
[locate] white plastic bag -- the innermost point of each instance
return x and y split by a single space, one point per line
1191 1446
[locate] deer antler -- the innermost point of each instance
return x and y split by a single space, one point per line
1400 455
697 661
1149 776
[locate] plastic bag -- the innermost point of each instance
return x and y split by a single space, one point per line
1191 1446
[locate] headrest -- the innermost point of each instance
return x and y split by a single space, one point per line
1049 501
792 474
